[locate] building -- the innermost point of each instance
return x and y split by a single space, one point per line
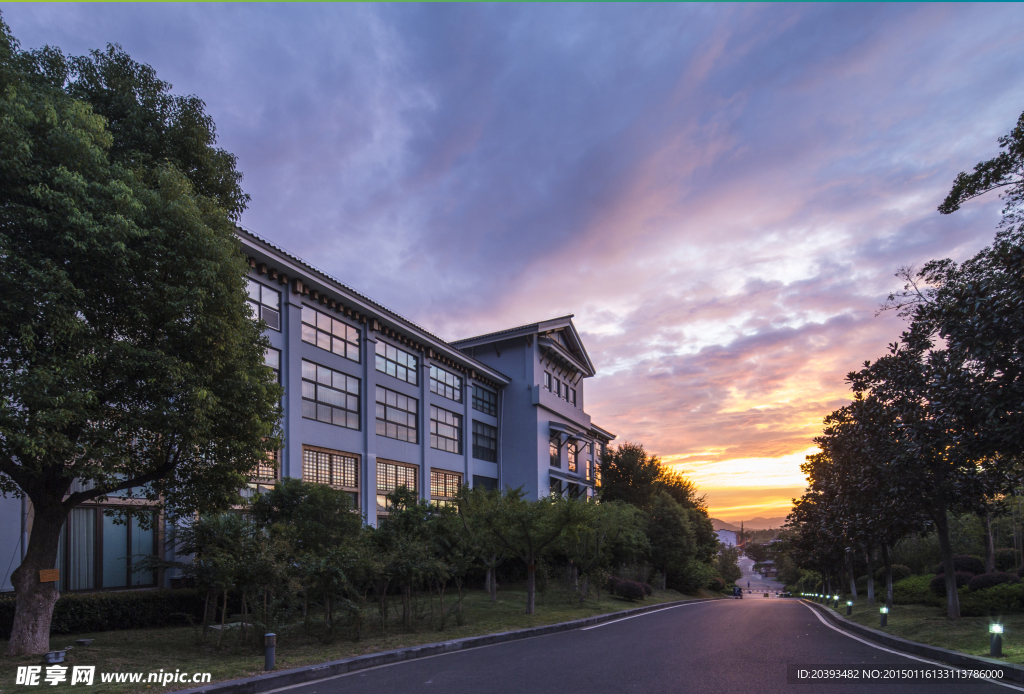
373 401
727 537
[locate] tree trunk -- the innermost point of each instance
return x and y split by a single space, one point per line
33 611
531 585
871 577
887 561
223 619
853 575
990 552
942 530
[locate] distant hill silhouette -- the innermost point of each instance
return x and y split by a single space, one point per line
757 523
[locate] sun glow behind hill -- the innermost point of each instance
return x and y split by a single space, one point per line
746 487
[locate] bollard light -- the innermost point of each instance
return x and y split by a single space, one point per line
884 613
836 598
270 646
849 607
995 640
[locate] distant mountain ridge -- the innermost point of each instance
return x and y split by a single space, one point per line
757 523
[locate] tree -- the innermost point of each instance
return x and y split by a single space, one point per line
526 528
128 358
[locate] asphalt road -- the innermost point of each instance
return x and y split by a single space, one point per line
754 582
716 647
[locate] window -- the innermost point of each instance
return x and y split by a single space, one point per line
485 401
555 450
572 396
265 303
571 449
547 380
445 430
272 358
391 476
330 334
485 442
396 362
445 384
444 486
266 469
396 415
333 468
97 551
556 485
487 483
588 469
329 396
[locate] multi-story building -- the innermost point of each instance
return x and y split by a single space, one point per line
373 401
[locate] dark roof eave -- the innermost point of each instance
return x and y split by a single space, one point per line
437 342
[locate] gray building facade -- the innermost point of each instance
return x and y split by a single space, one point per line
373 401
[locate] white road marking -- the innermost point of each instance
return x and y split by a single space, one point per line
642 614
900 653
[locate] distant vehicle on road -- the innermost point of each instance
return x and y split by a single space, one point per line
737 592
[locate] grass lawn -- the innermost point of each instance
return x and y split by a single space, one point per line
927 624
149 650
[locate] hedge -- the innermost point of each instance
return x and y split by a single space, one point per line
78 613
899 572
630 590
965 563
915 590
1005 598
938 584
983 581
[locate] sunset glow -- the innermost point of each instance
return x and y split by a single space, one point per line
721 194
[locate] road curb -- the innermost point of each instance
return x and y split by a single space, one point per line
1011 671
312 673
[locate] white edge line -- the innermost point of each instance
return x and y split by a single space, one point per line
900 653
642 614
461 650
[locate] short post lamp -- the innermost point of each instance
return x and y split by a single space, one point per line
269 648
849 607
884 614
836 598
995 640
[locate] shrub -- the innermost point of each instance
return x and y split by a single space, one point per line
983 581
613 584
649 589
938 584
964 563
899 572
1005 598
630 590
77 613
716 584
1006 559
916 590
1020 572
862 584
691 577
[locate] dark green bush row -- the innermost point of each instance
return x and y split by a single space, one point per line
77 613
915 590
965 563
938 583
983 581
899 572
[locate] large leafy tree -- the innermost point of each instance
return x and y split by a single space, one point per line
128 358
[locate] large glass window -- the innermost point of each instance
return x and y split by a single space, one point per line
485 401
272 358
445 384
397 415
555 450
391 476
333 468
445 430
444 486
329 333
266 470
329 396
485 442
397 362
571 451
265 303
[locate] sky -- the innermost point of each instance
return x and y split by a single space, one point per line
720 194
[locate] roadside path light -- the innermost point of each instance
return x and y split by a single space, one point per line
884 615
995 640
836 598
849 607
270 646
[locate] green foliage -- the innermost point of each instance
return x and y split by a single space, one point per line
630 590
1005 598
78 613
1006 559
727 565
691 577
983 581
899 572
915 590
938 584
